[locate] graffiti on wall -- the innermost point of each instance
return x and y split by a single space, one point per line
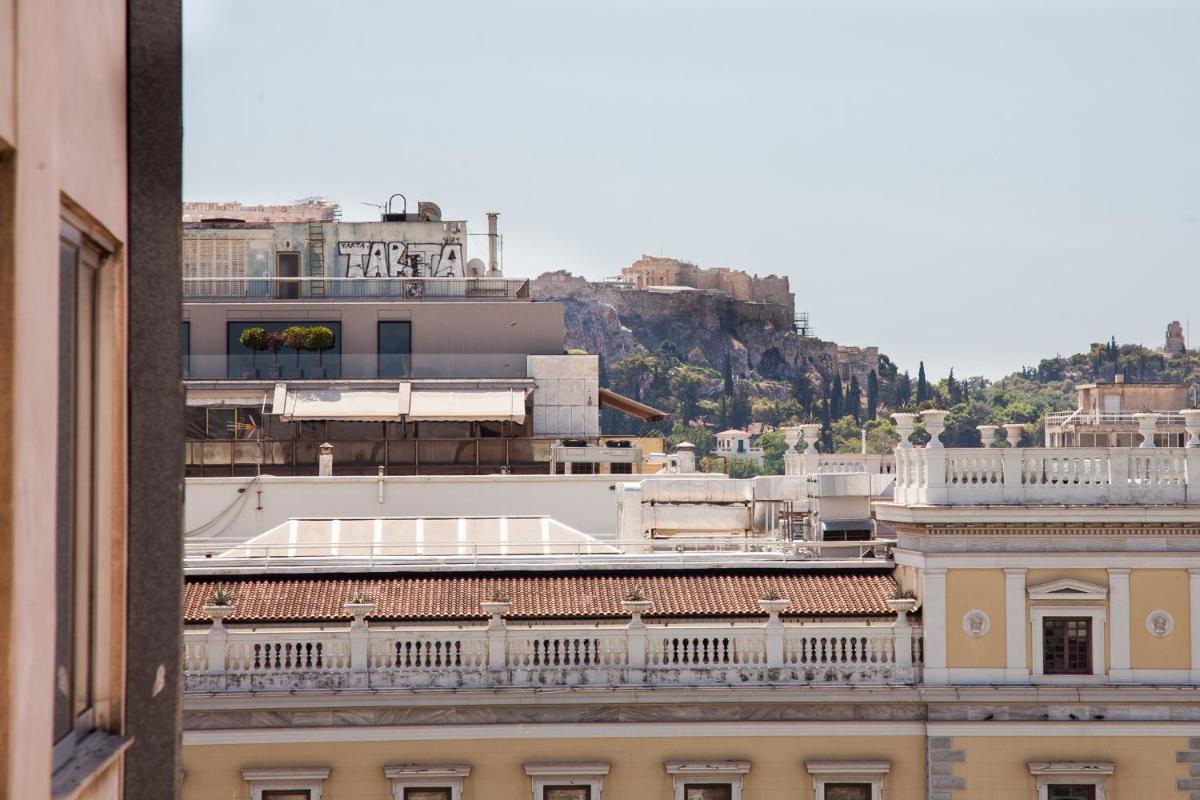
402 259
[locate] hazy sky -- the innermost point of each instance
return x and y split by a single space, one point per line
973 184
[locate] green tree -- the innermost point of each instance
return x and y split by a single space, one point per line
739 410
901 391
922 385
836 400
743 468
727 375
802 391
854 399
774 446
872 395
702 438
686 383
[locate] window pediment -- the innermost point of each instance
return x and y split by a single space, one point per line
1068 589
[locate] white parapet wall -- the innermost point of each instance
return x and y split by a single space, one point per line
1048 475
239 508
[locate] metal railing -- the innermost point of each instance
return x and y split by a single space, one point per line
338 288
203 555
1060 419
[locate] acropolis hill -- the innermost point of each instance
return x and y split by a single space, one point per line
710 314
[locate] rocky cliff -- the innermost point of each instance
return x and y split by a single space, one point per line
758 338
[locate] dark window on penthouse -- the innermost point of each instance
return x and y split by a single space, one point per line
1067 645
395 349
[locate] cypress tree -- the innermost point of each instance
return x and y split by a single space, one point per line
922 385
854 399
836 401
872 395
728 371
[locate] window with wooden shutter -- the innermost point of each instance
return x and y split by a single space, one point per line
1067 645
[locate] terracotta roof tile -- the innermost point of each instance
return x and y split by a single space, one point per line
289 599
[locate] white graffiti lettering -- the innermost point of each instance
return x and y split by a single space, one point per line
402 259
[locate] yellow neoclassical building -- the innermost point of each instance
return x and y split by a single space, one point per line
1024 625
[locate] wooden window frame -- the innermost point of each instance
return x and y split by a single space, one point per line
1083 773
95 480
1097 634
282 779
427 776
562 775
870 773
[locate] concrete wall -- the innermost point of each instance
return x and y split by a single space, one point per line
348 249
566 400
452 339
584 502
776 773
64 154
1150 590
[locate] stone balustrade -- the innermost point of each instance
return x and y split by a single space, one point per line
221 659
1048 476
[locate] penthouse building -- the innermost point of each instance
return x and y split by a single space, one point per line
384 341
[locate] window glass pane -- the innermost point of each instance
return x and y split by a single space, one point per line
286 794
1071 792
567 793
1066 645
64 522
395 349
426 794
847 791
708 791
186 346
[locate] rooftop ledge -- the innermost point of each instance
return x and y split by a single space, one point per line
217 659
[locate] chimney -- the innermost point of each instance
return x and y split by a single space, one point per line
325 461
493 238
1119 377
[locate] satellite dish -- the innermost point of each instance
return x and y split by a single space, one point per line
428 212
476 267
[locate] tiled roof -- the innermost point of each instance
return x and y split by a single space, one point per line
289 599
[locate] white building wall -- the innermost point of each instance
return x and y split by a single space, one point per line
566 397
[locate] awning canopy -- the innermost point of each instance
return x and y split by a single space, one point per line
468 405
361 405
627 405
401 402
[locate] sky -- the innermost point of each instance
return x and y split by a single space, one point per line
977 185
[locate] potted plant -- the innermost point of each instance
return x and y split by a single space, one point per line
358 607
634 600
296 338
220 604
319 338
273 340
495 604
252 340
773 603
902 600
